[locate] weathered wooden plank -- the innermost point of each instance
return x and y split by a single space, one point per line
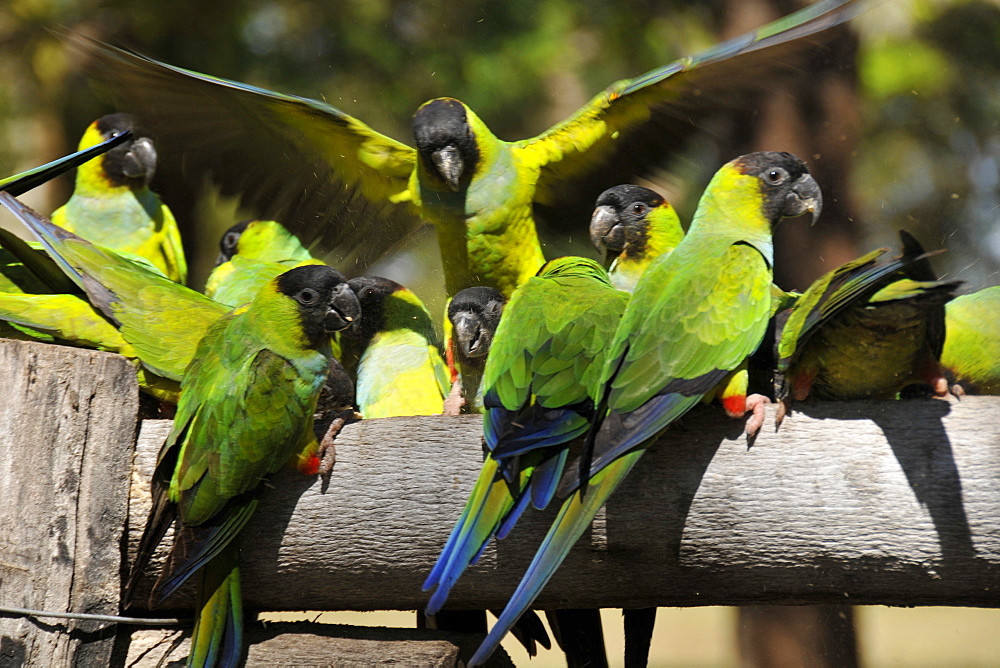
865 502
320 645
67 421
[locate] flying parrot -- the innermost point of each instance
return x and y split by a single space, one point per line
252 253
696 315
318 169
549 344
866 330
471 320
112 205
246 410
393 352
971 354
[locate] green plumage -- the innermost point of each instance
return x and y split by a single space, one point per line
481 193
696 314
866 330
246 410
112 205
971 354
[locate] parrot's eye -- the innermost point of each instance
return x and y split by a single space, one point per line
230 240
638 208
307 296
777 176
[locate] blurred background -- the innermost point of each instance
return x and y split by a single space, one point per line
897 117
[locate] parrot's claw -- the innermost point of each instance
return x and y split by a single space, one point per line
327 450
453 404
755 406
784 407
957 391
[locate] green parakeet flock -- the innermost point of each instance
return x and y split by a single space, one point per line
576 365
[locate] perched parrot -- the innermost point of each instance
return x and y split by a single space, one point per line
549 344
112 205
866 330
631 226
971 354
252 253
160 320
21 183
393 352
246 410
318 169
472 319
696 315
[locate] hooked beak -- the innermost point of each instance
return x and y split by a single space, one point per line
606 233
805 196
140 160
472 339
449 164
345 310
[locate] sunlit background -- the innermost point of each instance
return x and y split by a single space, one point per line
900 125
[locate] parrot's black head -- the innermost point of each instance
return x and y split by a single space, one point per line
326 302
371 292
230 242
788 188
474 314
618 222
445 141
132 163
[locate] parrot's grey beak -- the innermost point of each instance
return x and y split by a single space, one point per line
606 233
139 162
449 164
472 339
805 196
345 309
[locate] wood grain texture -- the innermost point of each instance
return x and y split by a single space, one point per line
67 422
320 645
892 503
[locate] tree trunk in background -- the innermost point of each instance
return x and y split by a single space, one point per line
816 118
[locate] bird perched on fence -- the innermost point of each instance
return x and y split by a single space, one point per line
393 352
246 410
696 315
112 205
318 169
866 330
471 321
971 353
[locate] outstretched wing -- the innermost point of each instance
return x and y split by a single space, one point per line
635 125
334 181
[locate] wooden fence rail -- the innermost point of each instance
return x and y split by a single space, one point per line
894 503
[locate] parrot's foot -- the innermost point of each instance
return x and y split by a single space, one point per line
940 386
453 404
784 408
755 406
327 450
957 391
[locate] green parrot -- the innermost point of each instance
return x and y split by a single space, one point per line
21 183
246 410
158 321
971 354
695 316
551 339
112 205
866 330
472 319
315 168
393 353
631 226
252 253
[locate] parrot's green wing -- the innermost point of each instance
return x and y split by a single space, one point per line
548 350
292 159
21 183
627 130
161 319
65 317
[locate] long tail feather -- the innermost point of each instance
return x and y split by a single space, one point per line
574 517
218 630
21 183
